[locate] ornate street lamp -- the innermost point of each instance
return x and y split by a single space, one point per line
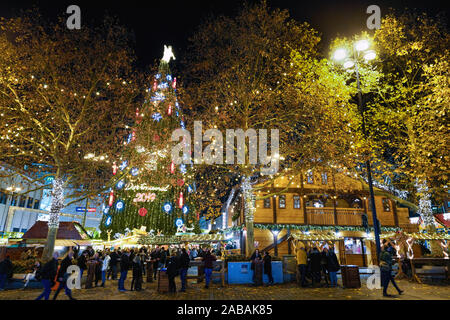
360 52
275 241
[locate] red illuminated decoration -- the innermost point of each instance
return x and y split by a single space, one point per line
138 116
143 212
111 198
114 167
169 110
172 167
155 86
133 135
180 182
174 83
180 200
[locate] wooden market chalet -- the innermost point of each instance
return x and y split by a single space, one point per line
325 207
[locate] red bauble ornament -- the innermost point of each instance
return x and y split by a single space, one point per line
142 212
155 86
138 116
180 182
156 138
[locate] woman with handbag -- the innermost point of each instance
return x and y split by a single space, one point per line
386 269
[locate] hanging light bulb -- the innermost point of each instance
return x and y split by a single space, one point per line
111 198
169 110
114 167
181 200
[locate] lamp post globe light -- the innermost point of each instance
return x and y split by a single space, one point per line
360 51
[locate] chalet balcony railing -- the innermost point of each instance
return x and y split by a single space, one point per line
325 216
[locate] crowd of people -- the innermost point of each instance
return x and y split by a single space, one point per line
102 265
317 266
316 263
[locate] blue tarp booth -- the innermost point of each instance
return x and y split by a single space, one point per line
241 273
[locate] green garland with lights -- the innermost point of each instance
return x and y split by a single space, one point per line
309 228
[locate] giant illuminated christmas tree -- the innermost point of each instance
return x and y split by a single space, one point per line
151 190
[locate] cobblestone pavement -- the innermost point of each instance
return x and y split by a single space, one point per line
289 291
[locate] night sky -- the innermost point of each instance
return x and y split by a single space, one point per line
171 22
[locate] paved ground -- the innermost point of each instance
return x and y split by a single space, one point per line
413 291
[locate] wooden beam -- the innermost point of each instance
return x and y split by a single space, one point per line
274 205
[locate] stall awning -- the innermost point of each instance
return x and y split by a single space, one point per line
197 238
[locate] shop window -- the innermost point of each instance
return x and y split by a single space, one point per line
23 230
296 202
357 203
282 202
386 205
3 197
13 200
22 201
16 230
36 204
353 246
30 203
310 177
315 203
267 202
324 178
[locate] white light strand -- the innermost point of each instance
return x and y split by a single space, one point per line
249 200
425 210
57 203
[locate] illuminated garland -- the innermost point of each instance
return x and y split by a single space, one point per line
308 228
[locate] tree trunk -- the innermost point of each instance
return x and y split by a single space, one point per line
249 211
53 221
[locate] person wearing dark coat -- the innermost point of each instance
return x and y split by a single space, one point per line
332 266
155 256
6 268
184 266
113 265
98 267
268 266
63 275
136 282
208 259
386 269
81 263
256 256
323 265
172 266
316 267
48 273
124 266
